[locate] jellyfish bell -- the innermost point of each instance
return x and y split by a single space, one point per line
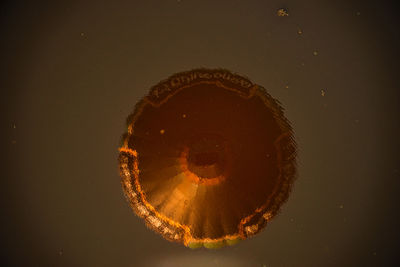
208 158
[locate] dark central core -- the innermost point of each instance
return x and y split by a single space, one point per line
206 158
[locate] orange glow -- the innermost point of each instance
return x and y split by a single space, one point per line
185 176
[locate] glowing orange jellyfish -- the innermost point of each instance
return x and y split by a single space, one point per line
208 158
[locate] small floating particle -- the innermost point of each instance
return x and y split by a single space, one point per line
183 115
315 53
13 142
322 92
358 13
82 34
282 12
162 131
299 31
341 206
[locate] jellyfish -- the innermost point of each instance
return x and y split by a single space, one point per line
208 158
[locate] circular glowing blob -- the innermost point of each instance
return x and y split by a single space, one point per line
208 158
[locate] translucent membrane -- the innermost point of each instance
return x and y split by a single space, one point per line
208 158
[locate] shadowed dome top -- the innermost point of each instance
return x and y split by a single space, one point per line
208 158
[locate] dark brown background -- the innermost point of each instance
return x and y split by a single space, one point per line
71 72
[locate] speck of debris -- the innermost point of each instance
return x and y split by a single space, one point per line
183 115
162 131
374 253
282 12
315 53
322 92
287 86
14 126
358 13
341 206
13 142
82 34
299 31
